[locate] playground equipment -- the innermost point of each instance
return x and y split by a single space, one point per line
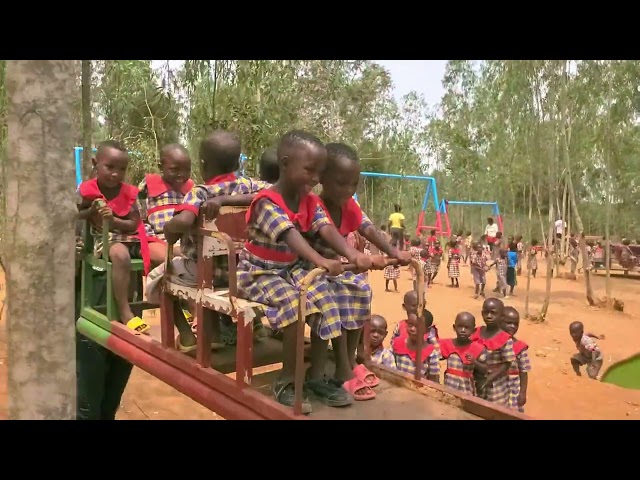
248 396
431 193
444 211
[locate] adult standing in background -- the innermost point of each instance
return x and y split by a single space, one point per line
491 231
396 227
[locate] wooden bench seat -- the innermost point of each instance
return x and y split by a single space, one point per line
217 300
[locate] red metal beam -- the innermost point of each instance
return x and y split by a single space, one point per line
229 408
264 406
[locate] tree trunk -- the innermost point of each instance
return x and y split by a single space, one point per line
40 240
87 127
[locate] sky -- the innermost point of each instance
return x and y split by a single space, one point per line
423 76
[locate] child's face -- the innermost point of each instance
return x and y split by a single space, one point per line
491 312
410 303
503 254
378 332
341 183
511 322
412 326
464 325
576 332
111 167
303 167
176 168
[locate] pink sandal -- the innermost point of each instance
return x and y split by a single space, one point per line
354 385
366 376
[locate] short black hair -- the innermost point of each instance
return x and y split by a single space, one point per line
295 138
336 150
116 145
221 150
170 147
269 165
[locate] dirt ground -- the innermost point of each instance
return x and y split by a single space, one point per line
554 391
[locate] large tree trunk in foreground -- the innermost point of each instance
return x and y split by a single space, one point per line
39 241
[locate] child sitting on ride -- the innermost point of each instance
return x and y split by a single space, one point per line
405 348
220 157
269 168
494 386
377 334
519 371
410 305
352 294
276 258
463 355
159 195
107 197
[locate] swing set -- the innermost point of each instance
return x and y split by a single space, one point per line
444 211
431 193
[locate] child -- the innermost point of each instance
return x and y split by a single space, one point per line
453 264
404 349
391 272
269 168
512 263
588 351
519 371
532 263
270 271
501 272
425 259
431 239
160 194
415 251
220 157
462 355
468 242
378 332
436 260
479 269
520 245
107 197
494 387
351 293
410 305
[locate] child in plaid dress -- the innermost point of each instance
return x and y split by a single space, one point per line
494 387
275 260
378 332
391 272
436 259
107 197
519 371
220 157
351 293
463 356
453 263
479 268
410 305
501 272
160 194
532 262
405 347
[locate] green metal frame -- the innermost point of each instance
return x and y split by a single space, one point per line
102 315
